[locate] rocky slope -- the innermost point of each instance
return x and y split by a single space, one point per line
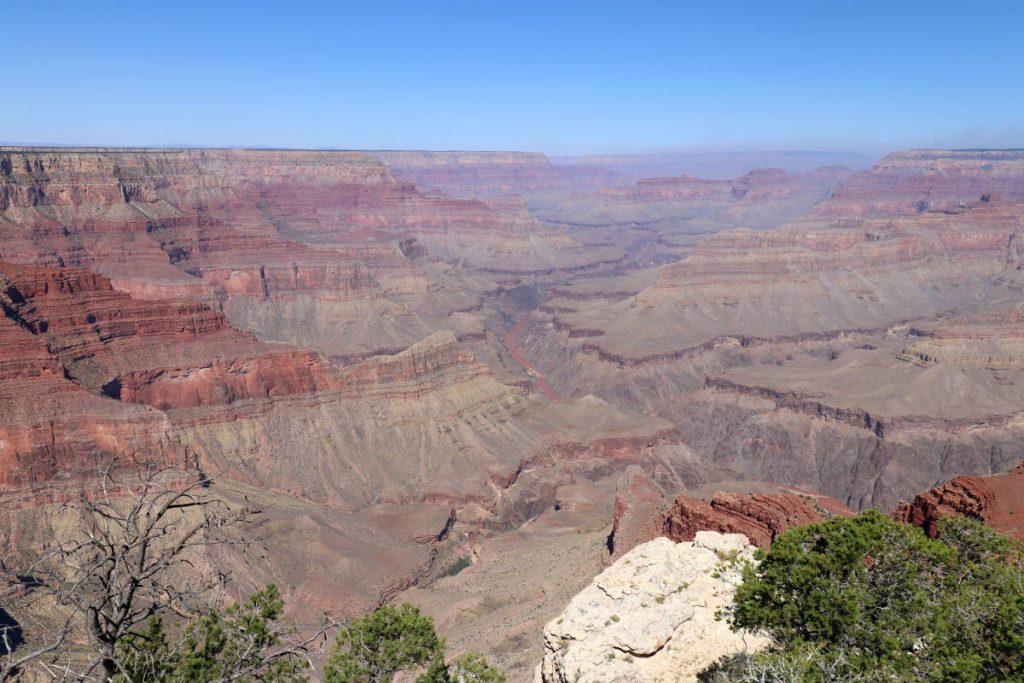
651 615
386 447
759 517
401 377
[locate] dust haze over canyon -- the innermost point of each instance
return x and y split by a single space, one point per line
471 379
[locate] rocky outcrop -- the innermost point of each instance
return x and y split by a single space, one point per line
651 616
759 517
996 500
167 354
993 340
643 513
639 512
428 365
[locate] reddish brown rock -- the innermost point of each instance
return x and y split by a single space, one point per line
997 500
760 517
167 354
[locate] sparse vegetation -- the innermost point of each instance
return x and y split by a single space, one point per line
474 668
244 642
457 566
138 600
728 556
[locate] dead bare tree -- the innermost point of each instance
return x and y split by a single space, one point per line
134 555
140 548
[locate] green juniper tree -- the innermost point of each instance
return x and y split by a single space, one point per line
870 599
473 668
244 642
373 648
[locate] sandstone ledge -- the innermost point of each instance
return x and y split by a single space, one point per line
650 617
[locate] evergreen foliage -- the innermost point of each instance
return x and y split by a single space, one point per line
870 599
473 668
373 648
236 643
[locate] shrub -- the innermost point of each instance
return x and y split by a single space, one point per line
373 648
868 598
473 668
236 643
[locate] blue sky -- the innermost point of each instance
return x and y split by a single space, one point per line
561 77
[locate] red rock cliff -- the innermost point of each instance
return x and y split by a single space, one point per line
997 500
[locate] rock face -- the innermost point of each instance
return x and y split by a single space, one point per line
759 517
643 513
639 512
818 282
997 500
650 617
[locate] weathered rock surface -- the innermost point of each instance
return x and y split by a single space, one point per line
997 500
643 512
816 282
759 517
650 617
639 512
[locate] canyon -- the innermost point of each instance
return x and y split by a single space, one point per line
442 376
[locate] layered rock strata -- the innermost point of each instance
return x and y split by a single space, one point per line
759 517
997 500
930 180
